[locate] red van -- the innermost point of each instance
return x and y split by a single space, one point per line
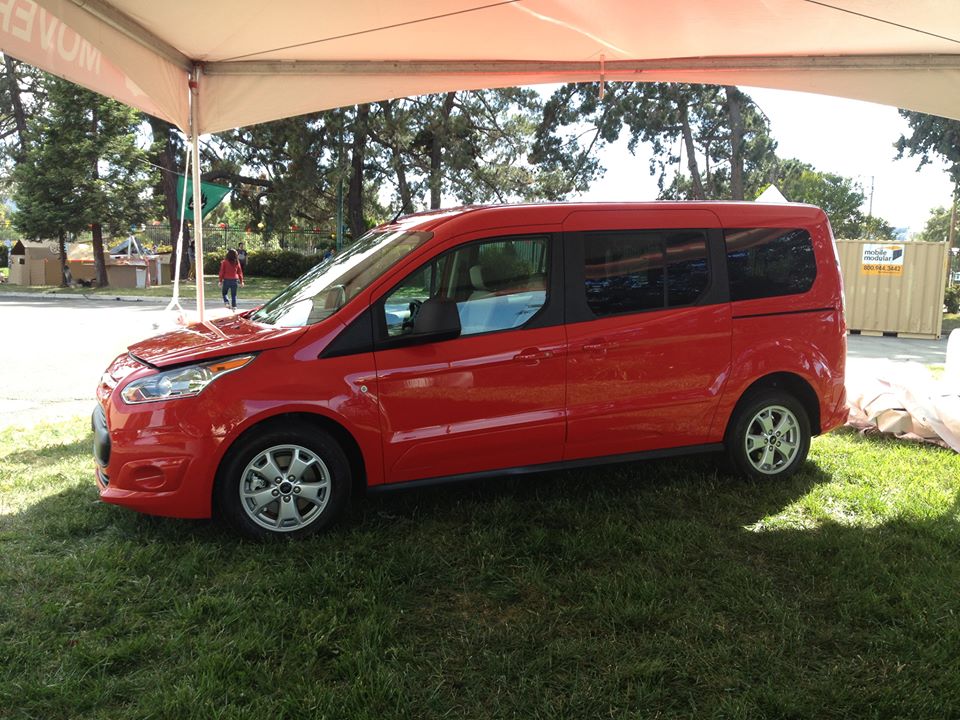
484 341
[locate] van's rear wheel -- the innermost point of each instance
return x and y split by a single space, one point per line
283 481
769 436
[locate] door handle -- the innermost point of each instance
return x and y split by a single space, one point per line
598 347
532 355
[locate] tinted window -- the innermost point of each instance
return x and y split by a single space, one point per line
687 273
766 262
643 270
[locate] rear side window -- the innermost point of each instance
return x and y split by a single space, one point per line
641 270
767 262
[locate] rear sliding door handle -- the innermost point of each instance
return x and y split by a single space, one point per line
599 347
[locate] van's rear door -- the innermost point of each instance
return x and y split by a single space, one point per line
648 328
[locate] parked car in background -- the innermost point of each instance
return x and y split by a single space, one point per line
483 341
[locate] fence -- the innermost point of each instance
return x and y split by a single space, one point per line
219 239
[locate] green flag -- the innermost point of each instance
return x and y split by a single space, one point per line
210 193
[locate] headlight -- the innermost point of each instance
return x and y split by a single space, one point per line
182 382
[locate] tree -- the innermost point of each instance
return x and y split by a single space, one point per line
82 169
838 196
22 95
717 135
937 227
932 136
876 228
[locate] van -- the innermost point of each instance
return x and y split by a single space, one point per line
485 341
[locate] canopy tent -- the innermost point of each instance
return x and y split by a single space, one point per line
250 62
262 61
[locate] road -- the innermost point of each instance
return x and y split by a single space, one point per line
54 349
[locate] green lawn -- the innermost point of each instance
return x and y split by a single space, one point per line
661 589
951 321
255 287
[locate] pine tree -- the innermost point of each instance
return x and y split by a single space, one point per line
82 170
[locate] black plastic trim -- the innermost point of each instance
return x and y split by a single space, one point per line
785 312
101 437
550 467
354 339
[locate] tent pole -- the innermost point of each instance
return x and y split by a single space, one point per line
175 300
197 195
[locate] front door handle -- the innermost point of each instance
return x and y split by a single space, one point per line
532 355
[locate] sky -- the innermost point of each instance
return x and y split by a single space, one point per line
846 137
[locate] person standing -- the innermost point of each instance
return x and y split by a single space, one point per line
242 256
231 274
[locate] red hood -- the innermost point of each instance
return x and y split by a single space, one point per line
203 341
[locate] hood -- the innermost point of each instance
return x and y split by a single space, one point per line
204 341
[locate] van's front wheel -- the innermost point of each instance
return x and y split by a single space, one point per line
769 436
283 482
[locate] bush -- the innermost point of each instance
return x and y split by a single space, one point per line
266 263
4 255
951 299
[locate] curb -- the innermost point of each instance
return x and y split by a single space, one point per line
252 302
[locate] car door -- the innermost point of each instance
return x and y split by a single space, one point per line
492 397
649 330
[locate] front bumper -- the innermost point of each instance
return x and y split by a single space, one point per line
147 468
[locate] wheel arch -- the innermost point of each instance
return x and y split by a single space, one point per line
789 382
338 432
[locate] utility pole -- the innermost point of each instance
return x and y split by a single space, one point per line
951 237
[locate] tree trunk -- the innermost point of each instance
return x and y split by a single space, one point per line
99 263
436 151
166 159
66 277
19 116
698 193
403 186
735 117
355 191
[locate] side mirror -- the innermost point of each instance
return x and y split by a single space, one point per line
437 320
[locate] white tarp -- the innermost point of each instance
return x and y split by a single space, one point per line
906 401
265 60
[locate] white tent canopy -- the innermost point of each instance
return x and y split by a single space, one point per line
262 61
210 65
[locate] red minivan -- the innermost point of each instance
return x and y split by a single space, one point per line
486 341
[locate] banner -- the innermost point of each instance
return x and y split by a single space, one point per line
882 259
210 196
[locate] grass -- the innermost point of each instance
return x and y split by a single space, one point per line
951 321
661 589
255 287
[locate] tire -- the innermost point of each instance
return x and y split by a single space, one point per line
283 481
768 436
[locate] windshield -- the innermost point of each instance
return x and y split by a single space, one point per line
334 282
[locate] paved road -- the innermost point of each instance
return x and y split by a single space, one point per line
54 349
892 348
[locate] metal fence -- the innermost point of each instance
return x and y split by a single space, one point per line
216 238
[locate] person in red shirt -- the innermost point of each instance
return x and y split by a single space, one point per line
231 274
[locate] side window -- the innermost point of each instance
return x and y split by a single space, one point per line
496 285
400 308
644 270
767 262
